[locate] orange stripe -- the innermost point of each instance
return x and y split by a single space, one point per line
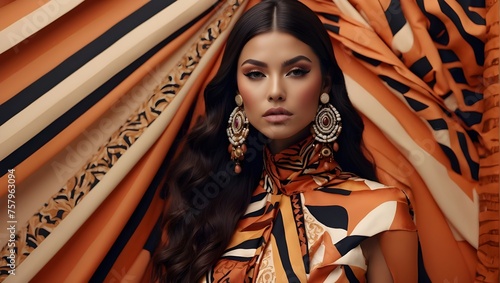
40 53
488 251
5 2
414 126
437 240
16 10
133 253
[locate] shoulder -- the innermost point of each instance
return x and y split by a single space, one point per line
361 195
355 183
369 207
356 186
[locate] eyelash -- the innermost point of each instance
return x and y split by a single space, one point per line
301 72
254 75
297 72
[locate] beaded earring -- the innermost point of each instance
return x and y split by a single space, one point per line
237 132
326 127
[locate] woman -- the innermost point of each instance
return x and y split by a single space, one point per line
278 207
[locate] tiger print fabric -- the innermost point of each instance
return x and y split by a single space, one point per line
423 74
414 69
306 221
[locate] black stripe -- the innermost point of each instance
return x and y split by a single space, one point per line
281 243
469 117
247 245
447 56
349 274
348 243
238 258
394 16
53 129
446 95
415 104
371 61
437 29
261 211
154 238
474 3
471 97
400 87
333 28
445 111
324 215
251 244
422 273
137 216
335 191
455 166
476 44
256 213
133 222
474 166
38 88
331 17
438 124
421 67
473 16
258 197
458 75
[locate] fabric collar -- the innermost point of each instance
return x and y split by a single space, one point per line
297 169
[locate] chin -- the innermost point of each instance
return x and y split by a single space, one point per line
279 136
272 133
284 131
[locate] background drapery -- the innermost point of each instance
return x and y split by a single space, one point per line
96 95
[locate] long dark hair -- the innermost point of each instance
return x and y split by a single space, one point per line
205 198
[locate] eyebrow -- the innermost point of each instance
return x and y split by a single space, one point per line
284 64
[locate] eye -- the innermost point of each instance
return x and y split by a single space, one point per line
297 72
254 75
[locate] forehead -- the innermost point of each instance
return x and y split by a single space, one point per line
276 45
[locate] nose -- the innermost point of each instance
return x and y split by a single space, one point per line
276 90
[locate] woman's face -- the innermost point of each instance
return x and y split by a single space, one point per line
279 78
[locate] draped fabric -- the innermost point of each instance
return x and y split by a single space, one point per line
95 96
297 187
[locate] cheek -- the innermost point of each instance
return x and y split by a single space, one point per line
247 93
244 86
310 106
309 96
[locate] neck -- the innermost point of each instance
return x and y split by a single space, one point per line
276 146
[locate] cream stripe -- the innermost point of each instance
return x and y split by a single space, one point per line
346 8
255 206
441 136
71 223
377 220
34 21
34 118
241 253
460 211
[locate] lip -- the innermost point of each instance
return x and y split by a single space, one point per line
277 115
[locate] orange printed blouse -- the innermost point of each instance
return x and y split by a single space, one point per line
306 221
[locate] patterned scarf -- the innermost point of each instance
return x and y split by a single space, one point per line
294 170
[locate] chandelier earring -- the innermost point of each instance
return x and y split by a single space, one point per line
237 132
326 128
